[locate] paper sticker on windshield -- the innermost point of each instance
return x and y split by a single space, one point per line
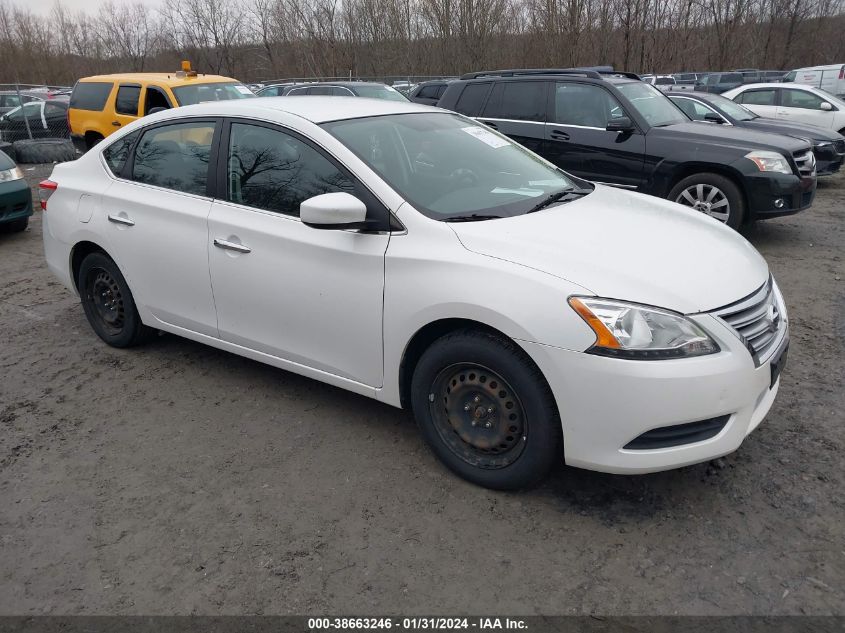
243 90
486 136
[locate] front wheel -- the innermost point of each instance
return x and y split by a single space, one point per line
108 302
486 410
711 194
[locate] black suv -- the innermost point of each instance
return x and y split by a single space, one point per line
618 130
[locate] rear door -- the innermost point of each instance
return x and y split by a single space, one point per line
518 109
126 104
576 138
157 222
762 101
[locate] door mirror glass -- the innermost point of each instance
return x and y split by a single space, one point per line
826 106
333 211
621 124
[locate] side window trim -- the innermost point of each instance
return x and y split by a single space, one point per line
126 173
220 160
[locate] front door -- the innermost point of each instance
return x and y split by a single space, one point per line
309 296
157 215
804 106
578 142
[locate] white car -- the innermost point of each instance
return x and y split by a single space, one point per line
792 102
414 256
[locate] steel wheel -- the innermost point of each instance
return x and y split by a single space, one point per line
478 416
106 297
708 199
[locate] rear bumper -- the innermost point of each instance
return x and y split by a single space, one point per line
15 201
772 195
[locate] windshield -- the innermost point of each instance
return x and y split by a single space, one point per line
653 105
448 166
733 109
380 92
200 93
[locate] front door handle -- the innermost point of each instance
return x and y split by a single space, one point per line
116 123
119 219
559 136
231 246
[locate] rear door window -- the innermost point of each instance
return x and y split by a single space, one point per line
90 95
127 100
429 92
472 98
175 157
519 100
759 97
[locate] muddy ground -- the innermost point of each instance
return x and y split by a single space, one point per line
176 479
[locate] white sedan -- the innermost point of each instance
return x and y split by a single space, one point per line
417 257
792 102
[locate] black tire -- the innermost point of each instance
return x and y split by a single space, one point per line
91 139
9 150
508 434
684 193
48 150
15 226
108 302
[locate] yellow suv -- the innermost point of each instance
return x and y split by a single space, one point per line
101 104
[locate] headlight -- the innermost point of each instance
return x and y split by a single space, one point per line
9 175
628 330
769 161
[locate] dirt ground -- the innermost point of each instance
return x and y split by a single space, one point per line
177 479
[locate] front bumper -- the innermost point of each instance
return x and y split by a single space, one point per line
605 403
15 201
767 190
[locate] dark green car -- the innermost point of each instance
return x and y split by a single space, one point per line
15 197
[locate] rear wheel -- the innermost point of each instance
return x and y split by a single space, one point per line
486 411
108 302
712 194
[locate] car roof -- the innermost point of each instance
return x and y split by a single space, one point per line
317 109
168 79
772 85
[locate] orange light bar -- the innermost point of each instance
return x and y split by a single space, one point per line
604 338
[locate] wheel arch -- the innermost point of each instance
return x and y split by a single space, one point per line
427 334
79 252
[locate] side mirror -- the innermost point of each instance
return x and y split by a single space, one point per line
333 211
621 124
712 117
826 106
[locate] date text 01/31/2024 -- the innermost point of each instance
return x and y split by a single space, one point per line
417 623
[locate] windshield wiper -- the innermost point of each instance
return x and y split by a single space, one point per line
472 217
558 196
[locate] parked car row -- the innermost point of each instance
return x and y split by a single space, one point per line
523 314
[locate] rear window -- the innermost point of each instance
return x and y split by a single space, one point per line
731 78
472 98
117 153
90 95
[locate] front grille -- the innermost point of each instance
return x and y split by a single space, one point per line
839 146
758 320
679 434
806 162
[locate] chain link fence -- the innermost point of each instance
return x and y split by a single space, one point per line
34 122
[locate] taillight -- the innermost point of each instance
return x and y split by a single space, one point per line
45 190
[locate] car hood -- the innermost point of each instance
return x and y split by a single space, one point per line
627 246
738 138
798 130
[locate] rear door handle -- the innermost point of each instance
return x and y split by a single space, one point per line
119 219
116 123
231 246
558 135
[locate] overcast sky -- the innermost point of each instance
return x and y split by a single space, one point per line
90 6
